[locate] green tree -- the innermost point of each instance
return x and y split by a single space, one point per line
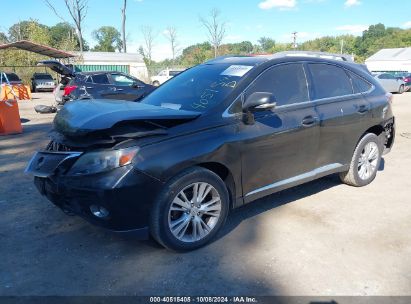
108 39
63 36
3 38
266 44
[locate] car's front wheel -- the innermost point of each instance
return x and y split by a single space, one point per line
365 162
190 210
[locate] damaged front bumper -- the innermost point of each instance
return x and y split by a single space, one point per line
124 194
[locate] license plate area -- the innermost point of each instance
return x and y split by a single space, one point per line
44 164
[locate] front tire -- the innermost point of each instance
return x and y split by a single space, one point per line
190 210
365 162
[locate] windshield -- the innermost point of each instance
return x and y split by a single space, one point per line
43 76
199 88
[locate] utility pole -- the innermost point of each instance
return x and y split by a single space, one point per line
342 45
294 39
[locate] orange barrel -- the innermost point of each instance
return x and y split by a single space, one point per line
9 117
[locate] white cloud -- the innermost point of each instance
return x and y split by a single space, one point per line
280 4
353 29
350 3
407 25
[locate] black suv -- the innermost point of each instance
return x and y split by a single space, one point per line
98 85
215 137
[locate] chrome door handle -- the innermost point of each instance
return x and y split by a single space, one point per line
308 121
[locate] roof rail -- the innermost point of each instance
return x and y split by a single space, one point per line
341 57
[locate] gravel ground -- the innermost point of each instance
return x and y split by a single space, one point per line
322 238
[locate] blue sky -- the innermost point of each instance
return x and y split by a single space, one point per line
246 19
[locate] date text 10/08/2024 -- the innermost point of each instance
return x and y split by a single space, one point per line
203 300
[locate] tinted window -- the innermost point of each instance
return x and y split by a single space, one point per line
12 77
100 79
287 83
43 76
199 88
174 73
359 84
330 81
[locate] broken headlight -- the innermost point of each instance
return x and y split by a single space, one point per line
96 162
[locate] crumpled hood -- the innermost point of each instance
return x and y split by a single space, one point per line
78 118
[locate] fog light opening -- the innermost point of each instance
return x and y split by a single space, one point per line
99 211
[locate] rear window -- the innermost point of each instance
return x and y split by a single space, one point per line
12 77
330 81
359 85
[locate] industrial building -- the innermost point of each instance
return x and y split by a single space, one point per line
390 60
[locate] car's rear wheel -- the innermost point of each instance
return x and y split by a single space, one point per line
156 83
365 162
401 89
190 210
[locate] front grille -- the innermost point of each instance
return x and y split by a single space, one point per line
55 146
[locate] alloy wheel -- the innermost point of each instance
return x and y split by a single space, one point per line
194 212
367 163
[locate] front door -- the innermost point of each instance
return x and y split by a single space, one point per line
280 148
127 87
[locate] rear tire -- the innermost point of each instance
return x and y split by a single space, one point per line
156 83
401 89
183 221
365 162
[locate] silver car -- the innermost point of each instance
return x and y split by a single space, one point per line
42 82
390 83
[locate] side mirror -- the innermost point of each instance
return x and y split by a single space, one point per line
259 101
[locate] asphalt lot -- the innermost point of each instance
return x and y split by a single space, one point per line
322 238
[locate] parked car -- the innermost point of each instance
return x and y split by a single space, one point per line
406 77
97 85
163 76
390 83
215 137
42 82
12 78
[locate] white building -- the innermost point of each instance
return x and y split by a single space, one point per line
390 60
131 63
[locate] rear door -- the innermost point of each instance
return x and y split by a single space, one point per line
99 86
343 113
281 146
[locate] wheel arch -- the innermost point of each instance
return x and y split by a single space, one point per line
225 174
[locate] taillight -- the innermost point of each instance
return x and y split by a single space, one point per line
390 97
69 89
407 79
